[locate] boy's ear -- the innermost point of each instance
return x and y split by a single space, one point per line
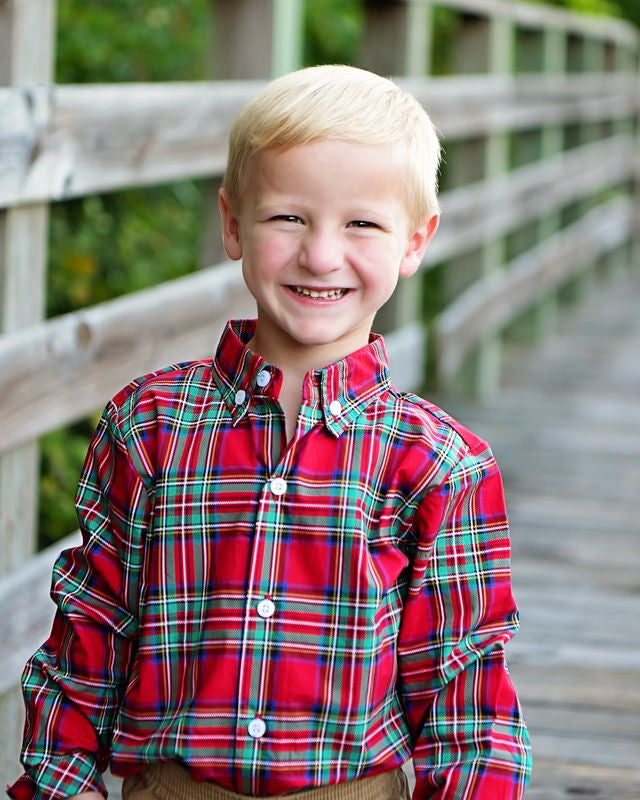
230 227
417 245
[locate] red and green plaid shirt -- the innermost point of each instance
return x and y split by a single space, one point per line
279 616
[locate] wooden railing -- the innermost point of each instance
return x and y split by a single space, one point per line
538 112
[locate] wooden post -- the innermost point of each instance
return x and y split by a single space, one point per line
485 44
590 57
554 56
27 32
621 58
252 39
634 255
26 58
396 42
500 57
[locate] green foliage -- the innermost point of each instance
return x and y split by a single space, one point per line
630 9
332 31
126 41
599 7
444 21
62 455
104 246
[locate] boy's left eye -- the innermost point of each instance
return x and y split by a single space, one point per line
362 223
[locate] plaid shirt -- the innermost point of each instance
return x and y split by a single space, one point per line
279 616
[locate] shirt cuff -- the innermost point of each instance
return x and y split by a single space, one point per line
58 778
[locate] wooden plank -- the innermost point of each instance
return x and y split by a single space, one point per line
577 685
101 348
557 780
572 499
105 346
67 141
493 301
501 103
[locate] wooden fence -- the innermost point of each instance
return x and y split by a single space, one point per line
538 111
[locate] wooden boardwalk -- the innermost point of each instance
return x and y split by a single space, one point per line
566 432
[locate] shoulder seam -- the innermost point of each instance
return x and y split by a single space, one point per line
429 408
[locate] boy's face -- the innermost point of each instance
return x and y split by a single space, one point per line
324 234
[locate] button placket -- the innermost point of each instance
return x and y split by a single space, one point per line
259 609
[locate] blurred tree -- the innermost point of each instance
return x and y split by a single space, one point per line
332 31
126 41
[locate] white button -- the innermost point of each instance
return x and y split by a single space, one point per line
335 407
257 728
278 486
266 608
240 397
263 377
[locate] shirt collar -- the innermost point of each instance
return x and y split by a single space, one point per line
340 391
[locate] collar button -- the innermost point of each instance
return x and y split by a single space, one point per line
263 377
335 407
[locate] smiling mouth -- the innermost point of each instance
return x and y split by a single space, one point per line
326 294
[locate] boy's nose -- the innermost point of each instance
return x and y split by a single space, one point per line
321 252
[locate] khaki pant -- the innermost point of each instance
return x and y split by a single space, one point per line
170 781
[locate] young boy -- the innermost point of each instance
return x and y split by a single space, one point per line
294 576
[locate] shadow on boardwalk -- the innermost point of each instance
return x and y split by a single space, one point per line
566 432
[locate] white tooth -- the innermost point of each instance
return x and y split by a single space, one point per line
331 294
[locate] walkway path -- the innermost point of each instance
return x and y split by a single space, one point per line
566 432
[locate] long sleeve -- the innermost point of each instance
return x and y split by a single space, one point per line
72 685
470 740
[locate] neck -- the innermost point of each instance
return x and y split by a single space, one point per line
296 359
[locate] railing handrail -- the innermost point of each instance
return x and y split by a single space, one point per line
61 142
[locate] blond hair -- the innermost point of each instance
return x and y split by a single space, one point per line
338 102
